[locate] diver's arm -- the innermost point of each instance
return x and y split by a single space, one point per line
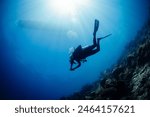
79 64
71 66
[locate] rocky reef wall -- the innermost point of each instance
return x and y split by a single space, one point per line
128 79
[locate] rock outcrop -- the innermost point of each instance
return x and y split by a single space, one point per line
129 79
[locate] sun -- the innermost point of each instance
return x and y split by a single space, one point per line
68 8
64 7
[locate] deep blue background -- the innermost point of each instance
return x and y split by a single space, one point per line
34 45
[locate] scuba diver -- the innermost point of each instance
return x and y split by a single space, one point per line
81 53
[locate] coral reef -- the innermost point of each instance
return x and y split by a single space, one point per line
129 79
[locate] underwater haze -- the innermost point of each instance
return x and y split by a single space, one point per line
35 37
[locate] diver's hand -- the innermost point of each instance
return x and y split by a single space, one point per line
72 69
84 60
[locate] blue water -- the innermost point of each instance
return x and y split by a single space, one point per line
35 42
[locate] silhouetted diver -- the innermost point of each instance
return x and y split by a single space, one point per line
81 53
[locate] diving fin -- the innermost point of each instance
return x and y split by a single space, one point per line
104 36
96 26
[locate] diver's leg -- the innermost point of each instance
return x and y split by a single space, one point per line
91 47
88 51
94 40
97 47
95 50
88 48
